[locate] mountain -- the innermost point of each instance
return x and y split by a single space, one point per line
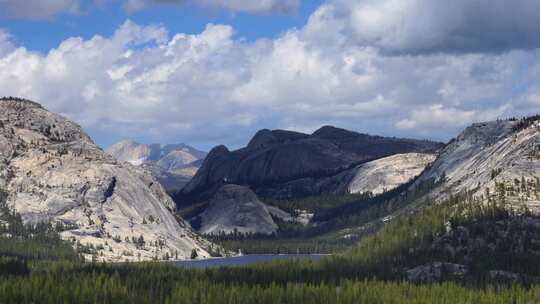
173 165
481 219
111 210
236 208
284 164
497 158
171 157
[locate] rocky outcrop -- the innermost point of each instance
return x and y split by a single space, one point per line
173 165
236 209
277 160
498 246
437 272
491 159
388 173
53 172
376 177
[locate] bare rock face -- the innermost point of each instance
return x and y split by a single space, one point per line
490 158
388 173
276 160
437 272
173 165
235 208
54 172
506 277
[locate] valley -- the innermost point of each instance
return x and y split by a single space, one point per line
386 209
269 152
288 191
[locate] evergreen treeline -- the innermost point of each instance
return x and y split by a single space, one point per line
524 122
30 242
371 272
52 287
332 213
285 246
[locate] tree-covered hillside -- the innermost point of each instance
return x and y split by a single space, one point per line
493 248
30 242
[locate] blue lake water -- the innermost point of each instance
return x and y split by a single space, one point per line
246 260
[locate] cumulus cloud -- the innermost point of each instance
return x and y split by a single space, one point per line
426 26
214 87
440 116
37 9
248 6
5 44
136 81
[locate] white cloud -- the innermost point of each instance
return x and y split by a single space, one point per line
133 81
37 9
439 116
247 6
5 44
534 99
214 88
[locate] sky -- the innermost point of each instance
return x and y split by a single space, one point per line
209 72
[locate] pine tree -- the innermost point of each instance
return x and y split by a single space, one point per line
194 254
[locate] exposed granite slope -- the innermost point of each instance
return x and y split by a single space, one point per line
489 154
54 172
388 173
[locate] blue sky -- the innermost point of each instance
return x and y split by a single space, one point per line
208 72
42 35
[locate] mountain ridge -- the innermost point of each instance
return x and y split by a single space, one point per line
490 157
54 172
278 156
172 164
282 165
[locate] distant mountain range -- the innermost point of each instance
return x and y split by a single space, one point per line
173 165
284 164
488 160
334 184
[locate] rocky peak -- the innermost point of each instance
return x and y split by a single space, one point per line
35 125
172 164
207 176
333 133
19 103
137 153
273 158
262 138
265 138
486 133
218 150
129 151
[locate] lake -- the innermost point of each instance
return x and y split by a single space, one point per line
246 260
